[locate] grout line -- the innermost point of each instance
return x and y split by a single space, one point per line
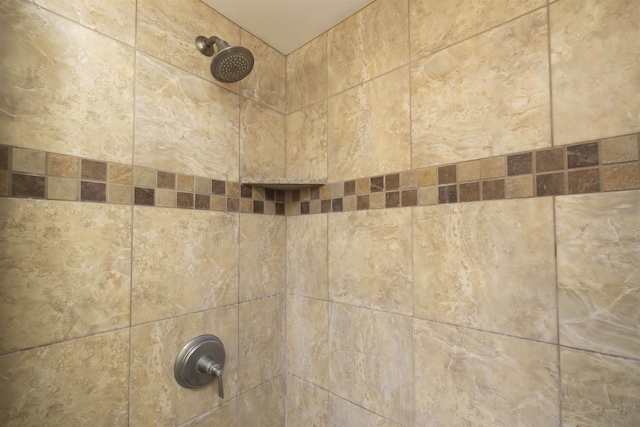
555 259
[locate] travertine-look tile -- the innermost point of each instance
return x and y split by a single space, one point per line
488 266
48 294
307 405
486 96
63 84
370 259
364 344
618 150
262 256
262 341
262 141
599 390
356 50
223 416
32 161
370 128
76 383
594 41
466 377
598 275
264 405
183 261
343 413
62 188
183 123
306 74
307 256
307 142
156 397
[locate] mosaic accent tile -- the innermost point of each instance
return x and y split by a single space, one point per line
470 192
4 158
120 174
61 165
493 167
549 160
30 161
144 196
493 190
519 164
583 181
551 184
447 194
92 170
410 197
377 184
166 180
392 199
27 186
582 155
619 150
427 177
621 177
93 191
468 171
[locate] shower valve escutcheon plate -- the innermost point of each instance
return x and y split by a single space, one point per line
199 362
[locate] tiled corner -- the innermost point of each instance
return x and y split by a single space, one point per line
344 413
263 405
307 405
305 85
222 416
306 146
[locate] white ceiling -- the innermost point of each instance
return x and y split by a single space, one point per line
287 24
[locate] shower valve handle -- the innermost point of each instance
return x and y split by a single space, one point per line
207 365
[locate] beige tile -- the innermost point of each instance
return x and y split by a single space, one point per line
377 201
165 198
307 405
618 150
308 339
183 123
306 74
120 174
486 96
185 182
156 397
363 345
264 405
61 165
409 179
344 413
145 177
183 261
115 18
468 171
427 177
262 341
519 186
63 84
363 186
81 290
436 25
370 259
591 41
598 258
488 266
62 188
307 142
427 196
370 128
222 416
307 256
493 167
598 390
467 377
262 256
262 141
28 161
358 52
119 194
74 383
621 177
202 185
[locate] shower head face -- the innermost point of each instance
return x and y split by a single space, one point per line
232 64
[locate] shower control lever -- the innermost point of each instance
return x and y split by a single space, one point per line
207 365
199 362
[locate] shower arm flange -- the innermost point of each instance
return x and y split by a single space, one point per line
206 45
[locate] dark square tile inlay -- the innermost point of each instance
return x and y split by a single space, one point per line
269 194
184 200
203 202
166 180
246 191
295 195
336 205
550 160
362 202
144 196
258 206
93 191
349 188
279 208
4 158
584 181
325 206
233 204
304 208
315 193
392 182
280 196
96 171
447 194
219 187
410 197
377 184
519 164
27 186
493 190
582 155
551 184
470 192
447 174
392 199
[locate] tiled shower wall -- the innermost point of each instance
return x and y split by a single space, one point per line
474 257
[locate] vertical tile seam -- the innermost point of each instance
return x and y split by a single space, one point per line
558 348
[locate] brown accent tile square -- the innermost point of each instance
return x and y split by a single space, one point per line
233 189
120 174
4 183
427 177
279 208
314 206
621 177
144 196
165 198
428 196
493 190
410 197
409 179
392 182
60 165
325 206
145 177
59 188
185 182
97 171
166 180
295 195
258 206
337 190
519 186
4 158
220 187
184 200
203 201
447 194
233 204
292 208
258 193
246 205
349 203
363 186
362 202
551 184
304 208
377 201
280 196
93 191
550 160
315 193
447 175
119 194
619 150
377 184
583 181
392 199
350 188
27 186
203 185
30 161
582 155
336 205
218 203
269 194
246 191
468 171
469 191
493 167
519 164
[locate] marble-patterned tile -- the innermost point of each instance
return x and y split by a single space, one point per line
262 341
486 96
595 69
344 413
371 42
370 128
264 405
370 259
183 123
50 294
64 84
76 383
307 405
266 82
183 261
436 25
262 256
598 275
598 390
306 137
262 141
307 249
222 416
488 266
371 361
465 377
115 18
307 74
156 397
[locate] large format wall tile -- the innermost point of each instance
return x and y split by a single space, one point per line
264 405
76 383
156 397
262 256
307 74
436 24
369 131
307 142
466 377
488 266
65 88
370 360
65 271
183 123
343 413
369 43
262 141
598 390
486 96
307 256
307 405
598 274
370 259
595 64
183 261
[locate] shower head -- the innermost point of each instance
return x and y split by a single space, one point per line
230 64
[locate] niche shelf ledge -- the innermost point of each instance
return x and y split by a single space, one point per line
284 184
